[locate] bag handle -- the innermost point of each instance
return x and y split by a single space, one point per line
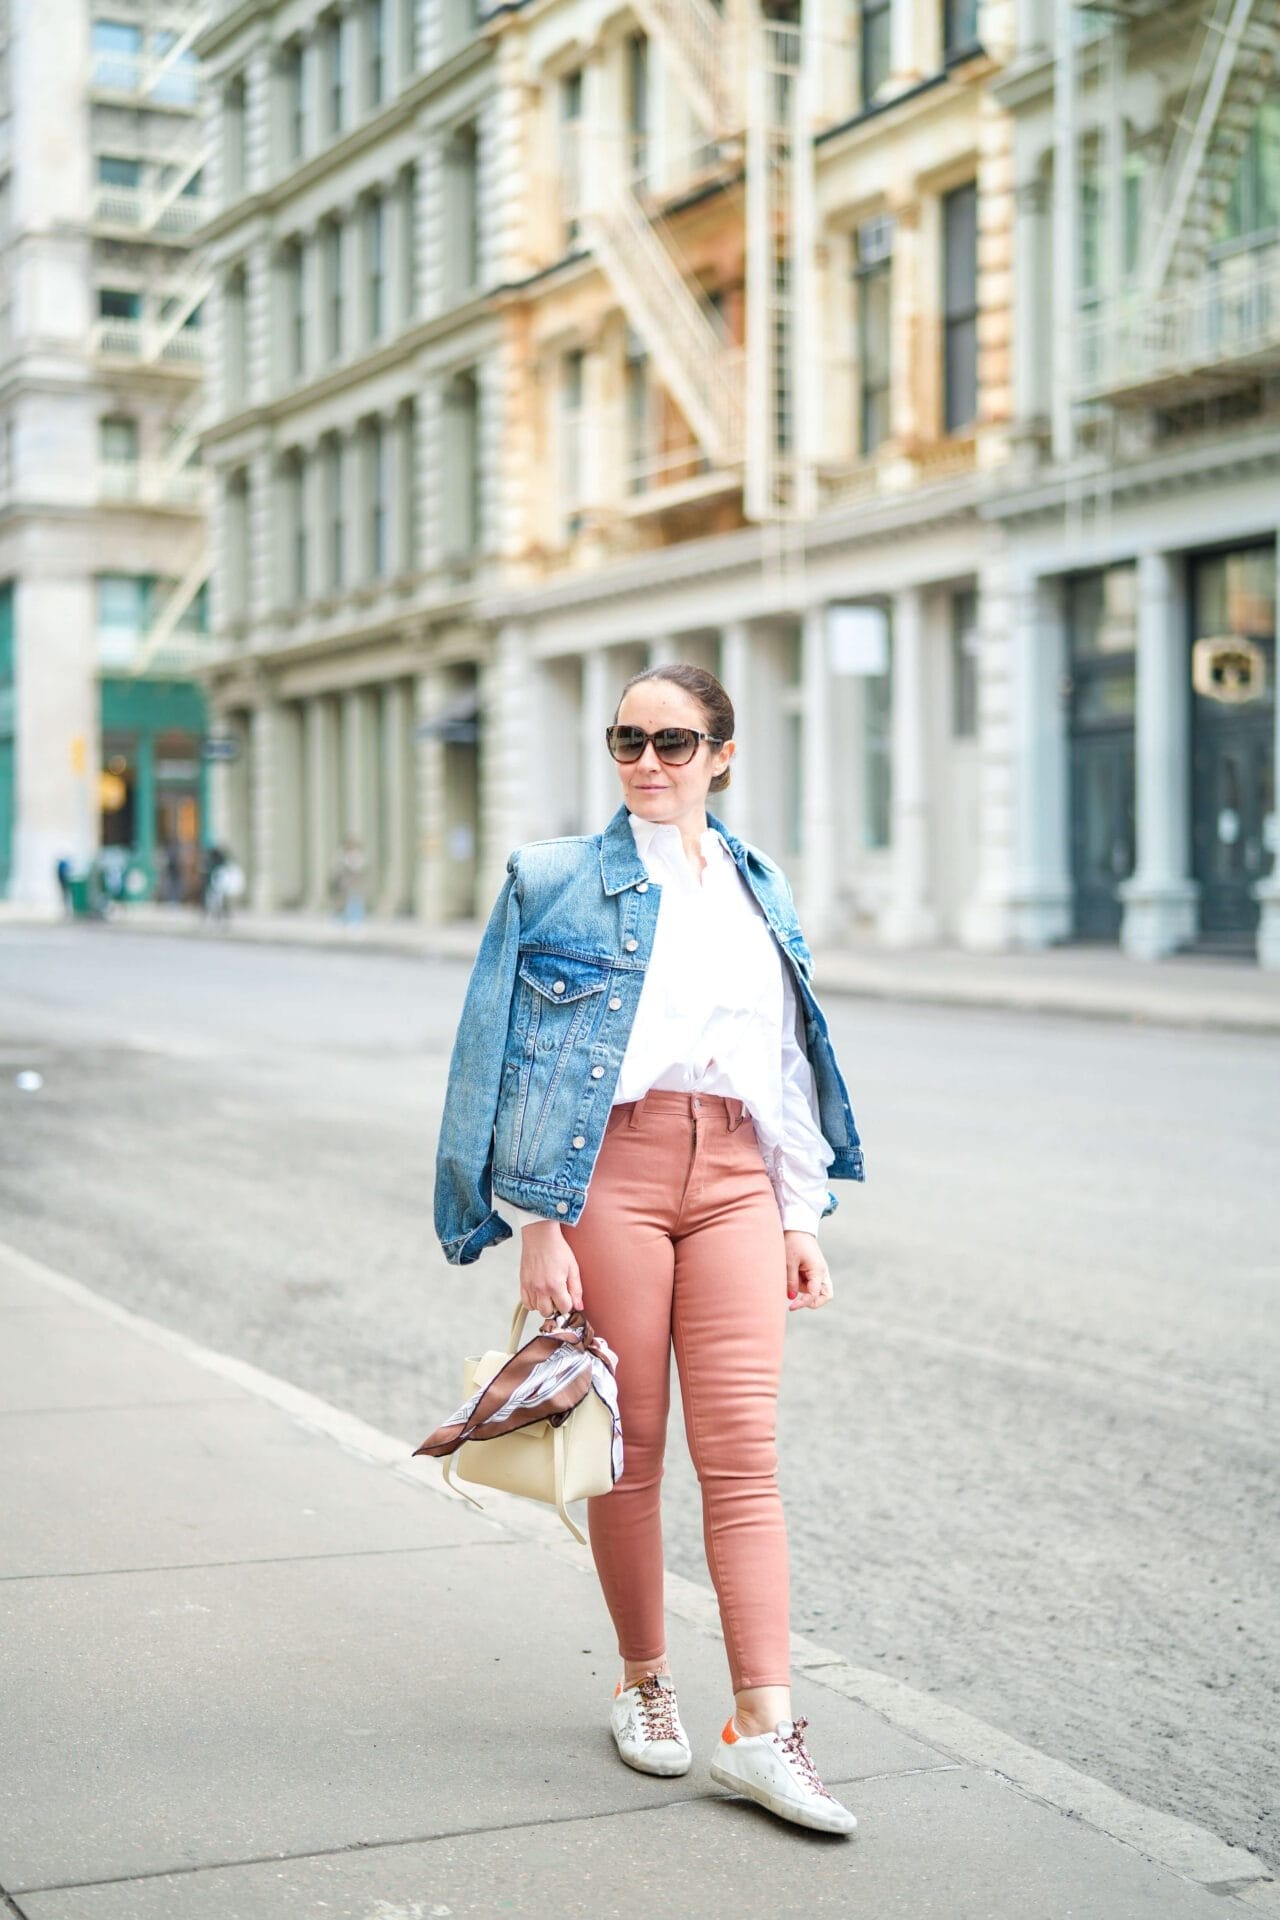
518 1319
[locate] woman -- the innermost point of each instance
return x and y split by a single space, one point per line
638 996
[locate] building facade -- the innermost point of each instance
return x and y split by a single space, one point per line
102 546
912 366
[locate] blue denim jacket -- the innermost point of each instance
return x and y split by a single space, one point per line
545 1023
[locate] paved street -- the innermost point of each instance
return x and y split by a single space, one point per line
1056 1317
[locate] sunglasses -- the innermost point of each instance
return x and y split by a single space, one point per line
674 746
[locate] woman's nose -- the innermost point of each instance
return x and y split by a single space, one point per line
649 758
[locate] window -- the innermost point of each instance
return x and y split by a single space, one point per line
236 309
233 137
571 155
119 303
333 265
375 35
462 170
571 425
874 286
406 487
375 261
115 171
874 48
118 440
293 100
960 308
335 526
638 106
116 46
1254 206
331 53
877 756
296 523
959 28
177 79
124 611
377 493
965 640
293 281
462 449
236 571
639 450
407 212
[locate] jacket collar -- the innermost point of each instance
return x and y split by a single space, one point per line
620 862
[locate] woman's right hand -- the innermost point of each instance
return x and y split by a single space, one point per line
549 1278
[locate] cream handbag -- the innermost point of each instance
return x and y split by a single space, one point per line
573 1458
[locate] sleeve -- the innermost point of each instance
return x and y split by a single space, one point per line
805 1153
520 1215
465 1220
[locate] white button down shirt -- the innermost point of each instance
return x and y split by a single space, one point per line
718 1014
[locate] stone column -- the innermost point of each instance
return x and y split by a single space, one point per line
262 804
904 297
598 780
737 678
1040 895
1161 898
902 40
354 307
909 919
320 778
1267 891
430 897
397 772
817 821
1029 399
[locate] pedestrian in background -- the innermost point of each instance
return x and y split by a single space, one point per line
642 1072
349 880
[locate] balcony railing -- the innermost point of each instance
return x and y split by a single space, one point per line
1224 325
130 339
137 208
149 483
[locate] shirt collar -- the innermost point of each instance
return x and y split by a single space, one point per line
668 833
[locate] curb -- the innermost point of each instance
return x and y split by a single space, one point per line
1191 1852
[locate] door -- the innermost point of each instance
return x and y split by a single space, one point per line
1233 656
1102 692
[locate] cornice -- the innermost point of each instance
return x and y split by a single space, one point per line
1157 476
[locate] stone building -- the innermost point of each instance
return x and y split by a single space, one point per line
102 551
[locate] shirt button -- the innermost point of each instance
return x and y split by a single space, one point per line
562 1206
631 945
614 1004
579 1140
597 1073
642 886
558 987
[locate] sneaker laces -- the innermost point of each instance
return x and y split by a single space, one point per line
658 1706
799 1757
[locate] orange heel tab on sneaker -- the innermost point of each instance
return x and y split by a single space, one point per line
730 1734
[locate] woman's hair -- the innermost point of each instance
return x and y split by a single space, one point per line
717 707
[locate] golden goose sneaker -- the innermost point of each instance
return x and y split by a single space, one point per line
775 1769
646 1726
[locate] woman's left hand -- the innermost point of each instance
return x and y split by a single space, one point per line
808 1278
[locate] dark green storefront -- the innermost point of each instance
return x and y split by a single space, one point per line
155 783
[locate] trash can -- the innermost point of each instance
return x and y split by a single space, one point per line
78 891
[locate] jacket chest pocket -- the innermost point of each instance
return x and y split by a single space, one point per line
560 996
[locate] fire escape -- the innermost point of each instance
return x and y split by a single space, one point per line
1196 318
148 329
740 72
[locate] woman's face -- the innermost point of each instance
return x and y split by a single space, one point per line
650 788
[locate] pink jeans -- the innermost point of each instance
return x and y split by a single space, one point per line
680 1244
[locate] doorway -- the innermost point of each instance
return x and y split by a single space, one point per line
1102 630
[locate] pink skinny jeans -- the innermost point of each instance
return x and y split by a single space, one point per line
680 1244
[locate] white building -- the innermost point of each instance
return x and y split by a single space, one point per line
102 556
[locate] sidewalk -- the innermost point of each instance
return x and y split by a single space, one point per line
1192 990
256 1666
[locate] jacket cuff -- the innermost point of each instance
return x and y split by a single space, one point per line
492 1231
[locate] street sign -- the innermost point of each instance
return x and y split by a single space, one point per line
220 746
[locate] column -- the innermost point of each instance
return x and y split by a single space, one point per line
144 804
904 296
429 890
354 330
1267 891
262 784
1028 343
736 678
599 783
397 769
816 816
320 777
353 768
902 40
1066 226
1160 900
908 918
663 649
1040 893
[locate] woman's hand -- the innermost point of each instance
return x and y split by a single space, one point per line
808 1279
549 1278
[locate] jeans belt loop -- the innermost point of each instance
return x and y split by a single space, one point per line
637 1108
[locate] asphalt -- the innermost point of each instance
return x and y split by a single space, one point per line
256 1664
1207 990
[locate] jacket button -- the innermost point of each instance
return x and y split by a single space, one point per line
597 1073
562 1206
558 987
579 1140
631 945
614 1004
642 886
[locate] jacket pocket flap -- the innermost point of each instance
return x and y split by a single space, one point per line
560 980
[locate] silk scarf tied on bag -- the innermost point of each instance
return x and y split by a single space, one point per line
543 1380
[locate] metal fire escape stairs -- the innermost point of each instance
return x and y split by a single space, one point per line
741 74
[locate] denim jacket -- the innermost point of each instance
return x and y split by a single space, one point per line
545 1023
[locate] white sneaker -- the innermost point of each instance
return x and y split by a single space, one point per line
646 1726
775 1769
